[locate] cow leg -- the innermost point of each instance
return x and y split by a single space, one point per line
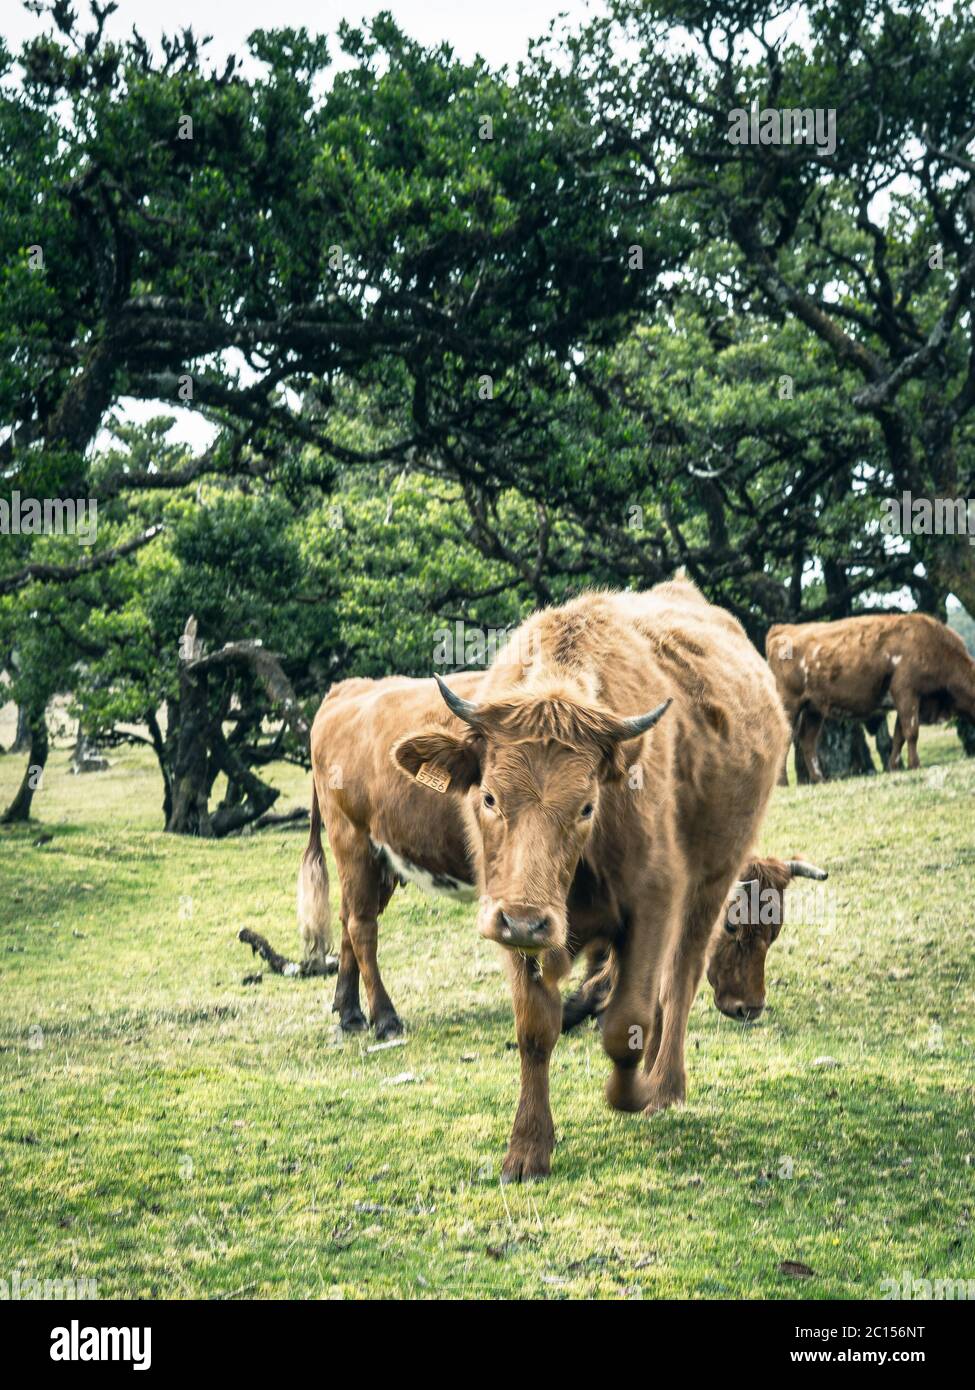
792 714
667 1080
364 934
346 1001
896 744
908 716
629 1016
656 1032
913 761
366 889
907 703
810 727
589 998
538 1022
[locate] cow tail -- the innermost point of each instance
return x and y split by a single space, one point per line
314 913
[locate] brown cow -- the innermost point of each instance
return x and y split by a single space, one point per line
415 835
859 667
383 830
736 955
569 791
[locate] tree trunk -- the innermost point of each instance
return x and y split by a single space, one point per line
202 751
21 741
952 568
19 809
190 780
160 749
843 752
247 796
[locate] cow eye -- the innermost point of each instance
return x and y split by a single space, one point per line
730 927
489 801
586 811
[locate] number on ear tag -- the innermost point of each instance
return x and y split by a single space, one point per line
433 777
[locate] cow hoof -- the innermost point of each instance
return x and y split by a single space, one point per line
354 1021
626 1090
389 1026
663 1098
526 1164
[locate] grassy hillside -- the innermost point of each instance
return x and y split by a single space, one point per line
170 1131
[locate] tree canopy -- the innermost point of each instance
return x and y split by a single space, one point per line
464 341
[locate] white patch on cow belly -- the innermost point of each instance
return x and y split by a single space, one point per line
444 884
895 660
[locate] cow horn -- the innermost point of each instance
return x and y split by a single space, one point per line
799 869
463 709
639 724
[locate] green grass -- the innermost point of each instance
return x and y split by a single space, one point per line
171 1132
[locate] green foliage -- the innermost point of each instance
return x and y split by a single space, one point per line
401 562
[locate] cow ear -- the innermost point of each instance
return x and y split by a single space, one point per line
612 764
770 872
439 760
739 903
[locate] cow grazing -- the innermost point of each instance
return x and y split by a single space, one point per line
740 941
752 921
860 667
614 768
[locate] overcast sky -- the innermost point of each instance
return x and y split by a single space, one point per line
497 29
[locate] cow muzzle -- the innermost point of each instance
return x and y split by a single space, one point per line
738 1009
520 927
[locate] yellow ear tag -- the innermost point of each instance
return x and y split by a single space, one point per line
433 777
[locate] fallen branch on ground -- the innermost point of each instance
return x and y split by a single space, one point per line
272 818
280 965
